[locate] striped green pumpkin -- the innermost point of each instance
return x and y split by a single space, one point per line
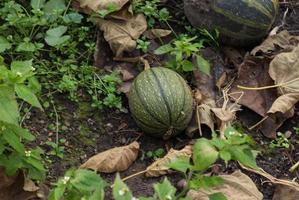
240 22
160 102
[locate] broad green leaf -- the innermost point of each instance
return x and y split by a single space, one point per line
13 140
181 164
164 190
146 198
12 164
54 37
37 4
22 67
225 155
73 18
164 49
203 65
34 85
204 154
52 6
217 196
87 180
20 132
57 193
27 95
4 44
120 190
206 182
8 105
187 66
244 155
26 47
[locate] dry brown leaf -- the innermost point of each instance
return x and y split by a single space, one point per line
236 186
113 160
205 114
30 186
122 35
284 70
156 33
89 6
160 166
283 192
281 41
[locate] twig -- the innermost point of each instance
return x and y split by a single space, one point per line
294 167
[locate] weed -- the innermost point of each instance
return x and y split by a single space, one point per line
143 45
57 148
158 153
280 142
181 50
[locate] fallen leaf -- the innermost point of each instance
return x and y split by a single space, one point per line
113 160
275 43
236 186
122 35
283 192
205 114
89 6
160 167
11 187
156 33
30 186
284 70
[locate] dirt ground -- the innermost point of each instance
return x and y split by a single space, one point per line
88 131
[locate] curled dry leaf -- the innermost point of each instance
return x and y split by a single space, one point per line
281 41
284 70
283 192
236 186
89 6
156 33
122 35
113 160
160 166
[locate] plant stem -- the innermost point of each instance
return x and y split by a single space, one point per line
294 167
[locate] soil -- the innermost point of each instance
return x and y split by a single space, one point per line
89 131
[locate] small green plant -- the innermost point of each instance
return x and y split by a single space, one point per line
57 148
18 83
150 8
77 185
181 51
158 153
143 45
111 7
280 142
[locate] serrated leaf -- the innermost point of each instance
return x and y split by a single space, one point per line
73 18
22 67
206 182
203 65
4 44
244 155
13 140
204 154
26 47
164 190
161 166
54 37
37 4
54 6
27 95
113 160
120 190
8 105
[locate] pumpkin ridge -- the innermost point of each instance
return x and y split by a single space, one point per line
163 96
184 101
146 107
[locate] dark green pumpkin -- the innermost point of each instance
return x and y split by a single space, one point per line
240 22
160 102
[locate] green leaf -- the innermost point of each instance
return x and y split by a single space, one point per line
164 49
73 18
244 155
54 36
37 4
181 164
164 190
120 190
87 180
187 66
203 65
8 105
217 196
54 6
225 155
4 44
34 85
204 154
22 67
27 95
13 140
26 47
205 182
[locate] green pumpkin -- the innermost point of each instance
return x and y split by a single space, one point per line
161 102
240 22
